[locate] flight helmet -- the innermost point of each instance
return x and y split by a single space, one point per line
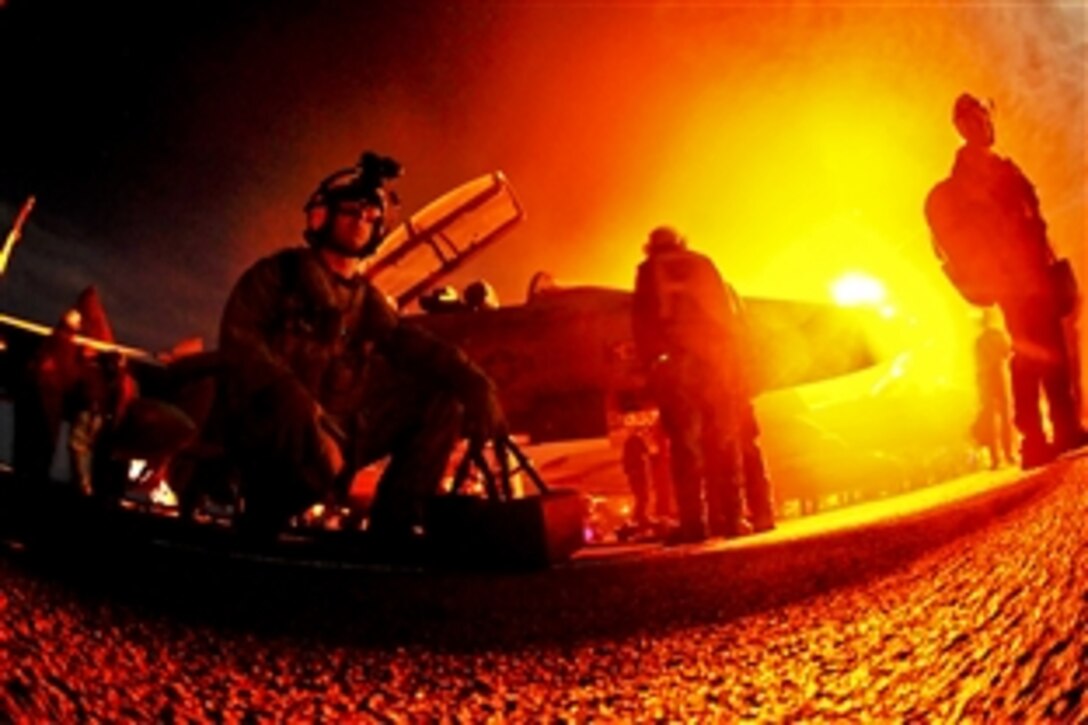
365 182
663 238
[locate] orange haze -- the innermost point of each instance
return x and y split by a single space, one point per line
793 143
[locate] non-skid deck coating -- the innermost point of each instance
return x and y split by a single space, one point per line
977 607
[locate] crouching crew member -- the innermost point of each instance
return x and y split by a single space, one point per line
322 376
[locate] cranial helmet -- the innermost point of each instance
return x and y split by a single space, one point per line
441 299
967 104
480 295
664 238
365 182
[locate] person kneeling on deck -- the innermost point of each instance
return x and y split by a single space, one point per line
322 376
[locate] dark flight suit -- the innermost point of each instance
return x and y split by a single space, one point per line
757 484
685 321
66 382
304 351
636 466
44 399
989 231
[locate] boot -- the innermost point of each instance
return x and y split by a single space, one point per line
731 528
1070 440
1035 452
686 534
762 523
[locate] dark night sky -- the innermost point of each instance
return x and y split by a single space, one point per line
170 144
150 131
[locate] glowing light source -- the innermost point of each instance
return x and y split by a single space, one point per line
136 468
855 288
144 475
163 495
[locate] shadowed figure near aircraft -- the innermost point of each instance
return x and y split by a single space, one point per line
563 361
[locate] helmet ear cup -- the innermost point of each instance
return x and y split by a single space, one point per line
355 183
317 216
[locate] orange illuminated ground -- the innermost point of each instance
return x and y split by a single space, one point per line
885 511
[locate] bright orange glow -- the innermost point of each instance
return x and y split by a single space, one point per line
793 142
856 288
792 174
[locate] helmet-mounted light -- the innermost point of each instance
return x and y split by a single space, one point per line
365 183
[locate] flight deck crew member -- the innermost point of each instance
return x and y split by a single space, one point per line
993 426
686 326
322 376
991 236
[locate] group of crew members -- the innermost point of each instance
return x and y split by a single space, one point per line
317 374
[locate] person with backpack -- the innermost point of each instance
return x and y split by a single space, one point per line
989 233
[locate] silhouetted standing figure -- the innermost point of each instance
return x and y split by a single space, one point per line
67 382
685 321
992 240
993 425
480 295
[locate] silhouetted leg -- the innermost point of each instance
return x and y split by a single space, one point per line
723 472
640 491
420 453
1024 375
284 467
81 449
416 424
1004 424
1071 335
684 428
757 484
1040 360
985 430
1058 385
1063 415
664 500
